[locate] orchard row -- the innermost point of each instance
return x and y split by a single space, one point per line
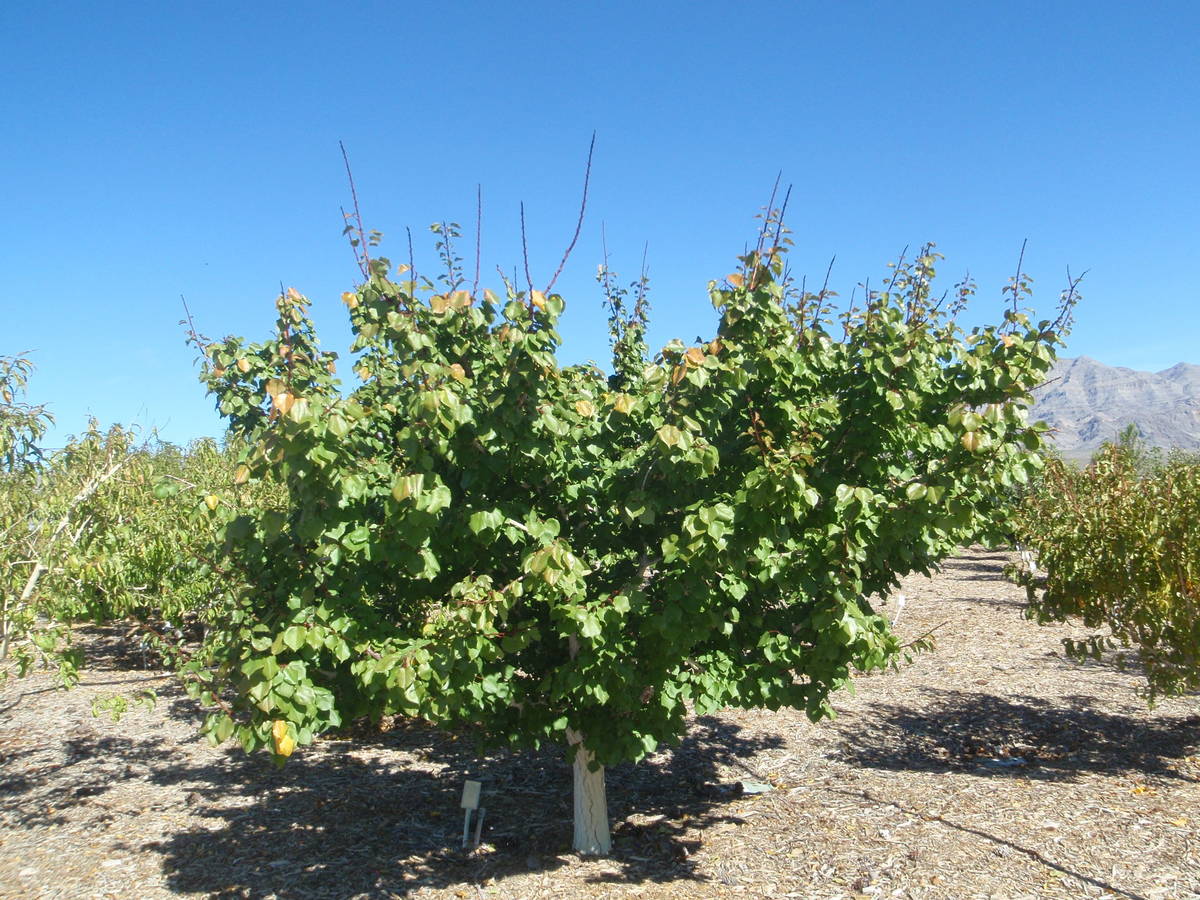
471 533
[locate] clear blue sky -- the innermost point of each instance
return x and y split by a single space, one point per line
158 149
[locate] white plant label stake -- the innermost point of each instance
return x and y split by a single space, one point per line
470 802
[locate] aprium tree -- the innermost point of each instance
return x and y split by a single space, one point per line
477 535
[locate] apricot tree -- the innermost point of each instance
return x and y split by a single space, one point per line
478 535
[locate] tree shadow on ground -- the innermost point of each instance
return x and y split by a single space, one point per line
991 577
43 782
380 815
116 647
397 817
1028 737
404 824
977 561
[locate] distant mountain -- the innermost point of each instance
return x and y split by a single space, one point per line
1087 403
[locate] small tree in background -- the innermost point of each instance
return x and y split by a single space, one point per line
107 527
477 535
1117 546
22 426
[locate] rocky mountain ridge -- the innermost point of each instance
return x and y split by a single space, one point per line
1087 403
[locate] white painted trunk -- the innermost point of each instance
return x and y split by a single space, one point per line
592 837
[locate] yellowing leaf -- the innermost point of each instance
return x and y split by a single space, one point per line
438 303
241 474
1181 822
350 299
407 486
971 441
243 365
211 501
538 299
695 356
670 435
489 296
460 299
217 373
283 402
275 387
363 372
402 268
585 408
284 742
735 279
623 403
457 372
293 294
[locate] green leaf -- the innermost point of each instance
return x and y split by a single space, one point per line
294 637
589 626
166 488
485 520
338 426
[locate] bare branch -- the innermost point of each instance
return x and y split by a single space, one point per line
1016 284
192 333
779 225
362 256
825 284
587 175
525 251
770 206
478 236
641 291
412 266
604 251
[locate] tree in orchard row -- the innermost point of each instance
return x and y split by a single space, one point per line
1120 545
107 527
22 426
479 536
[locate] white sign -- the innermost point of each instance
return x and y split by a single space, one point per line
470 798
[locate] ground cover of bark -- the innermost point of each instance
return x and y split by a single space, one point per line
988 768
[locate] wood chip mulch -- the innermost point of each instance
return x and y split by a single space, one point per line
991 767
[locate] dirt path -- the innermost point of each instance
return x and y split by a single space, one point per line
990 767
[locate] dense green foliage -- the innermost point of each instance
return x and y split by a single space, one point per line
105 528
22 426
1119 542
476 534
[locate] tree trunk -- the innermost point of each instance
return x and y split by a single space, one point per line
592 837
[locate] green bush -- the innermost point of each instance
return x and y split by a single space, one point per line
106 528
1119 543
475 534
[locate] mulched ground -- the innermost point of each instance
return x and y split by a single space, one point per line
989 768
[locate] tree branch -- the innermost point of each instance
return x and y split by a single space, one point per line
587 175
